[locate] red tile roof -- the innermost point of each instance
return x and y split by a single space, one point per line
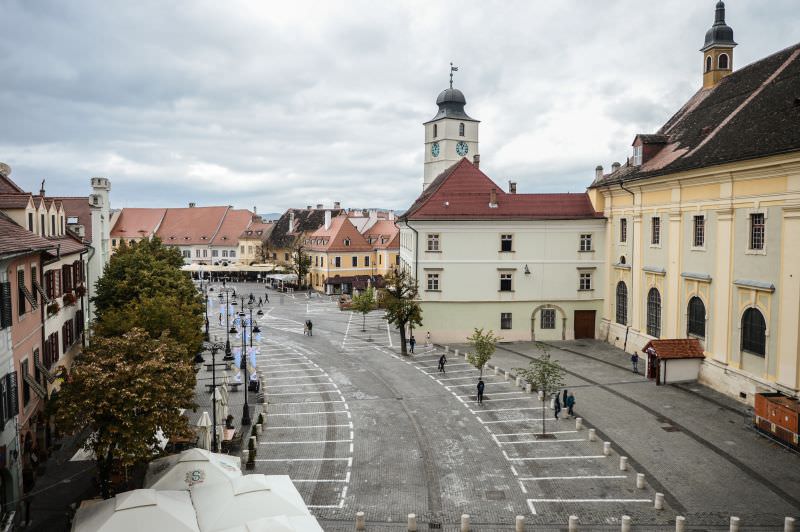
191 225
333 238
236 220
676 348
463 192
80 208
15 239
260 230
7 186
14 201
384 234
67 245
137 222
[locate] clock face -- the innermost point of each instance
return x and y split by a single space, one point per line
435 149
462 149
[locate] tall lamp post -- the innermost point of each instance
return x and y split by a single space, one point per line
204 290
213 347
254 329
226 292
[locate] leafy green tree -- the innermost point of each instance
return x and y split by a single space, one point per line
401 305
484 345
127 389
301 264
545 375
364 303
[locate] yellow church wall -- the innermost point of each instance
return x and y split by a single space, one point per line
656 197
758 187
702 192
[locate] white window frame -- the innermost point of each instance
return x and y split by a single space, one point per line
585 281
585 242
695 219
655 231
434 244
433 282
637 155
507 237
506 276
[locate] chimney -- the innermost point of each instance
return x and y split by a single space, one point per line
291 221
327 220
476 160
493 198
598 172
337 205
391 216
615 167
191 204
512 187
308 207
319 205
255 211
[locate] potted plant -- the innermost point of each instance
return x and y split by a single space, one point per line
80 290
69 299
53 308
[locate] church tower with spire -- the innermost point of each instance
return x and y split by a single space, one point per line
717 50
450 135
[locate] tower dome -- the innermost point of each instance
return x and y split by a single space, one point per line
451 104
720 34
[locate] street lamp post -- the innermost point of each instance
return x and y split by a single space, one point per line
227 291
254 329
214 347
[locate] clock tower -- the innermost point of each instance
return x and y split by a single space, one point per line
450 135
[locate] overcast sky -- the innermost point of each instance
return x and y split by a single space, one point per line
279 104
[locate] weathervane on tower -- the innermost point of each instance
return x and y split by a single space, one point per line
452 69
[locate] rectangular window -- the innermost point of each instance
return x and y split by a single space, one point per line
285 256
433 242
397 260
215 253
637 155
26 388
232 253
249 250
337 262
433 281
21 309
757 237
30 222
322 261
241 249
316 260
586 242
34 280
53 224
505 320
224 252
505 242
585 281
699 231
187 254
366 260
655 231
623 230
548 318
505 282
354 262
41 226
197 253
205 253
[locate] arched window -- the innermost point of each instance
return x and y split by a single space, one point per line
696 319
708 64
722 61
654 313
622 303
461 129
435 130
622 259
754 332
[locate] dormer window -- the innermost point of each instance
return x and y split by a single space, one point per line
637 155
347 242
461 129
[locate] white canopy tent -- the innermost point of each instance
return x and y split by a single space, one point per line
192 468
143 510
204 431
228 505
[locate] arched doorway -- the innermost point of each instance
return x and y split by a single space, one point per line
549 319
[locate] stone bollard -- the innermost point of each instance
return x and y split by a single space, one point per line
519 382
640 481
259 428
254 441
496 370
734 524
446 349
607 448
680 523
465 523
788 524
245 456
592 435
623 463
626 523
360 522
412 522
529 387
456 352
466 355
659 502
578 423
573 523
519 524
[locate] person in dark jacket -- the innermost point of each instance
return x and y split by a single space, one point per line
481 386
442 362
412 342
557 407
564 400
310 327
570 404
635 362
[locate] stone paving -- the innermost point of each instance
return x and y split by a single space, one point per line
359 427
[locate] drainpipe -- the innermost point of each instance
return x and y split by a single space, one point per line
633 253
85 295
416 250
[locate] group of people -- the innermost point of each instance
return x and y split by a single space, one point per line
568 402
308 328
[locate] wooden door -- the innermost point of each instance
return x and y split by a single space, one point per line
584 324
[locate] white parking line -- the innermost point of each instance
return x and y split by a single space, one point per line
502 393
293 371
319 480
304 393
350 460
307 427
526 479
510 420
536 458
284 365
535 433
456 371
590 500
301 384
507 409
300 377
310 413
535 441
299 442
310 402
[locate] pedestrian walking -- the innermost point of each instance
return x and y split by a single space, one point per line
220 318
481 386
305 328
428 339
442 362
412 342
556 407
266 297
570 404
635 362
259 301
564 401
310 328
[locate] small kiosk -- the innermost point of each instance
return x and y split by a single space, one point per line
670 361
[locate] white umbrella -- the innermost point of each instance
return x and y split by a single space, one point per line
191 468
204 431
137 510
242 500
219 407
283 523
224 389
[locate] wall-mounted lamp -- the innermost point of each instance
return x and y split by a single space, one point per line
527 270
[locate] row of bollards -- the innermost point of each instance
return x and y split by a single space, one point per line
573 523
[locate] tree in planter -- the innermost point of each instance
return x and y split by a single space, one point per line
364 303
484 345
400 302
53 307
127 389
301 263
545 375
